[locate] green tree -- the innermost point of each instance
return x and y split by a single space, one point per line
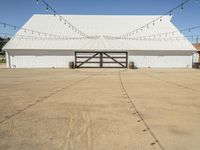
3 41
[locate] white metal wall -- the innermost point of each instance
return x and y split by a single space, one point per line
39 58
161 59
195 57
60 59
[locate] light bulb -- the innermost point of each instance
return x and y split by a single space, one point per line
182 7
47 8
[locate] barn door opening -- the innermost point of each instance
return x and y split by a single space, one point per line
101 59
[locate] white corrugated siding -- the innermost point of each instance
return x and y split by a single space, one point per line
39 59
61 59
161 59
195 57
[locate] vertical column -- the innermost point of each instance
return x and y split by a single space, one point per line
7 60
101 59
75 59
126 59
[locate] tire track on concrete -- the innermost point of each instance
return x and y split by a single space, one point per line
88 130
44 98
68 142
141 119
71 137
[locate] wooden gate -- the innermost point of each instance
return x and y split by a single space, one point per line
88 59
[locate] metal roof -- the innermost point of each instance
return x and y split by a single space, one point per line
197 46
101 25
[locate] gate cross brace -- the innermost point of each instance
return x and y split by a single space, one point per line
88 59
114 60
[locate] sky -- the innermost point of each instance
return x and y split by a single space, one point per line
17 12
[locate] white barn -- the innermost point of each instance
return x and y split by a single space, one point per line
47 53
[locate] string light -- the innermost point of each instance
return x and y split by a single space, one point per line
162 39
47 8
181 7
24 29
169 12
173 32
40 38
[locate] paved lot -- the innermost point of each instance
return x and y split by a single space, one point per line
2 65
105 109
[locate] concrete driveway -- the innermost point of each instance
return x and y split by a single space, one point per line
99 109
